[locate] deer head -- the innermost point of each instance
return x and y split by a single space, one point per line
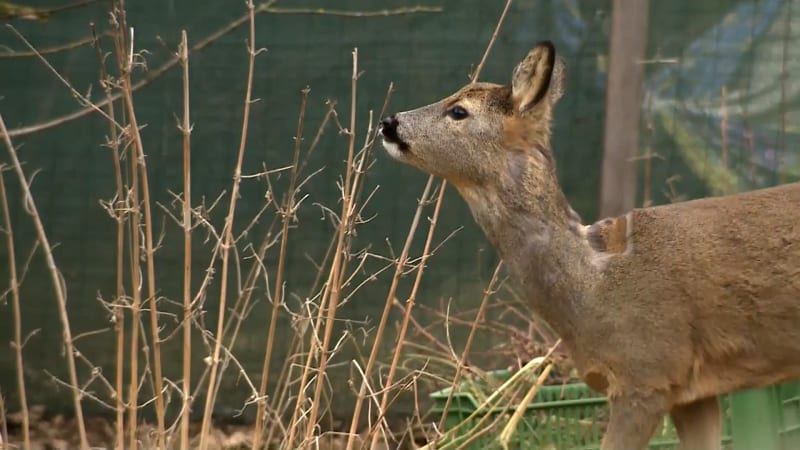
480 134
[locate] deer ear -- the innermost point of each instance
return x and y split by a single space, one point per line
533 76
557 81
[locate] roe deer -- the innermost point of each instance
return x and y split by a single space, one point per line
662 309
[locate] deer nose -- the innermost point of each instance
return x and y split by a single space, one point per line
389 125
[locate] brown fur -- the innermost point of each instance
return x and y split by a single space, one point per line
664 308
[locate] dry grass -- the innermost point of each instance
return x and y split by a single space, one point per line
291 416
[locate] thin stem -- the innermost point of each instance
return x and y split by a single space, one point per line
434 218
186 131
723 126
787 33
337 270
344 13
136 311
156 73
301 394
50 11
462 361
120 44
297 347
390 297
8 53
412 297
13 281
277 296
400 266
151 275
139 161
58 284
118 207
333 280
243 302
3 420
491 41
228 236
648 153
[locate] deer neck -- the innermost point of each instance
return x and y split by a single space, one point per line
539 237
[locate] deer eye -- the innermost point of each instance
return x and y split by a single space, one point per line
457 113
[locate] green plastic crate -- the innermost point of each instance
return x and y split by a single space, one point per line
573 416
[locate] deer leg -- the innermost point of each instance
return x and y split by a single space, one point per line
699 425
632 421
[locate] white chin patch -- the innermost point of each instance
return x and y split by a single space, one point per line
393 150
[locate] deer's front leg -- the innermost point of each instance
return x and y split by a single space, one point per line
634 418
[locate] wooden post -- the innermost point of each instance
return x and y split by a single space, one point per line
627 46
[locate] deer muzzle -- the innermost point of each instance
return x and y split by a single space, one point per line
395 146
